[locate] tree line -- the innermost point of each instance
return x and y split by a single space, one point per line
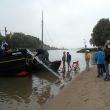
20 40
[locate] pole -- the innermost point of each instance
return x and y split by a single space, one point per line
5 31
42 29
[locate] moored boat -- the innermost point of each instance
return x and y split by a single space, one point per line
14 62
22 62
42 63
41 66
51 67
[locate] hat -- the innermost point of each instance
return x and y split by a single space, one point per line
87 51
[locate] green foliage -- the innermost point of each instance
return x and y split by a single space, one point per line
20 40
83 50
101 33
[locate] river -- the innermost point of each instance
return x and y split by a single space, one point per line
30 92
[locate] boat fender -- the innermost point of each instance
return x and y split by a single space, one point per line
22 73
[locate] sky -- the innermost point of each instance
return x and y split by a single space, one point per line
67 23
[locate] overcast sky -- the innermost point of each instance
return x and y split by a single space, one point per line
67 23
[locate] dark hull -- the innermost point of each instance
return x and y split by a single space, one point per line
15 62
52 65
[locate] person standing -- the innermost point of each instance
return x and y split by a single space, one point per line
4 49
43 55
107 59
100 61
87 59
68 60
4 45
64 59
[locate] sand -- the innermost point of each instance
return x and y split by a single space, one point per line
85 92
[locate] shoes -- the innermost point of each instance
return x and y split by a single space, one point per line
98 76
105 79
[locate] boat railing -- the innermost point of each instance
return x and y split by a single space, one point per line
30 53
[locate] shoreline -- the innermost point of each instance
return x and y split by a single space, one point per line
85 92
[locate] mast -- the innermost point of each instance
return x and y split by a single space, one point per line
42 29
5 31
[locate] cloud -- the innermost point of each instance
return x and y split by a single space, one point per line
66 23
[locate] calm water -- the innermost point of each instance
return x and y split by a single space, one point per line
29 93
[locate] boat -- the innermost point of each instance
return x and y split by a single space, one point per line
39 65
16 63
23 61
51 67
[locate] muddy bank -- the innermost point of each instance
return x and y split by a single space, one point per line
85 92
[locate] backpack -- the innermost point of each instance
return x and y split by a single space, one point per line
88 56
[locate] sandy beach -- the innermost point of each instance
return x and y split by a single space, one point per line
85 92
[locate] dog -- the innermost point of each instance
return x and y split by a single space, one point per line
75 66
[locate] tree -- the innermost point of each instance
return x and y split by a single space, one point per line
20 40
100 33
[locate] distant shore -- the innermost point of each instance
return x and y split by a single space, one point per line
85 92
83 50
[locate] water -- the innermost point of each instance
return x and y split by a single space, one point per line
29 93
75 56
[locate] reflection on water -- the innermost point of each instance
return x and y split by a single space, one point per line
26 93
44 87
15 92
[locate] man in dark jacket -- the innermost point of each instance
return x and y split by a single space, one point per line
68 60
107 59
43 55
